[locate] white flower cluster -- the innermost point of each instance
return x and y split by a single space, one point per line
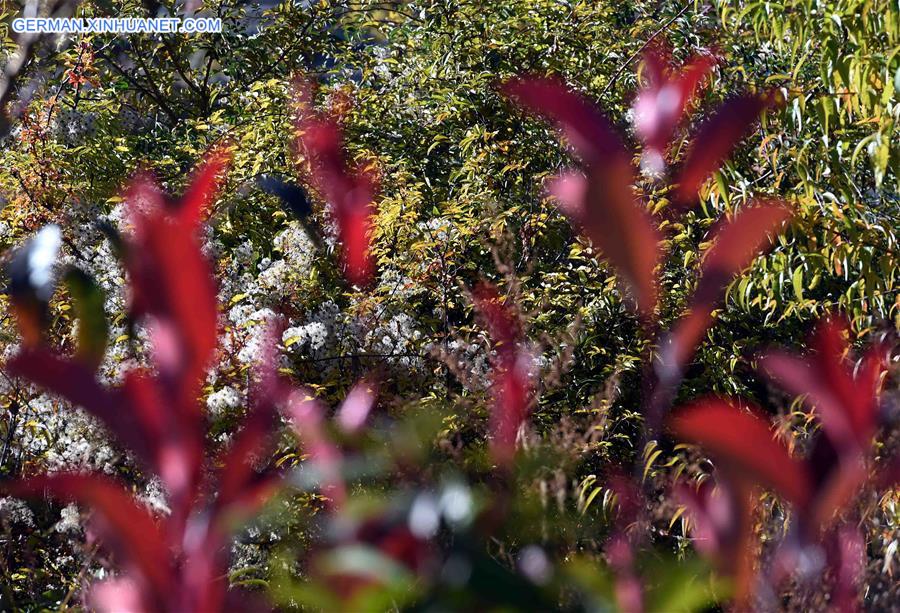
259 286
382 68
69 519
15 512
65 438
249 332
154 497
397 338
223 400
327 332
313 336
474 359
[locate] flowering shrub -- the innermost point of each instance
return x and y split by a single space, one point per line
502 434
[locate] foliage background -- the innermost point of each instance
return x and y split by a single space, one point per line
461 176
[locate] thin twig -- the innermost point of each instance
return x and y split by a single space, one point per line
634 55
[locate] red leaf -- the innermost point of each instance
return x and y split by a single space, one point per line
737 243
627 585
659 107
502 322
589 132
173 282
512 376
846 405
174 442
603 204
349 192
191 210
714 142
744 442
740 240
800 377
512 388
837 490
127 525
855 396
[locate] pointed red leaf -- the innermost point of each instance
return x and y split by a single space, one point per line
847 405
837 490
350 192
589 132
512 388
176 446
856 397
715 140
602 206
172 282
503 323
659 107
736 243
800 377
745 442
741 239
512 373
192 208
129 527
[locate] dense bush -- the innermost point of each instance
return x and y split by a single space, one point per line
501 321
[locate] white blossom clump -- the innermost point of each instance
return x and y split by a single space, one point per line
313 336
473 359
397 339
154 497
65 438
326 332
297 257
255 326
69 519
15 512
223 400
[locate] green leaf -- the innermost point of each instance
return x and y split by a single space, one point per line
797 282
88 300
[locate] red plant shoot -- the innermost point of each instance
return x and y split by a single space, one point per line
823 485
512 384
175 562
659 107
349 191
